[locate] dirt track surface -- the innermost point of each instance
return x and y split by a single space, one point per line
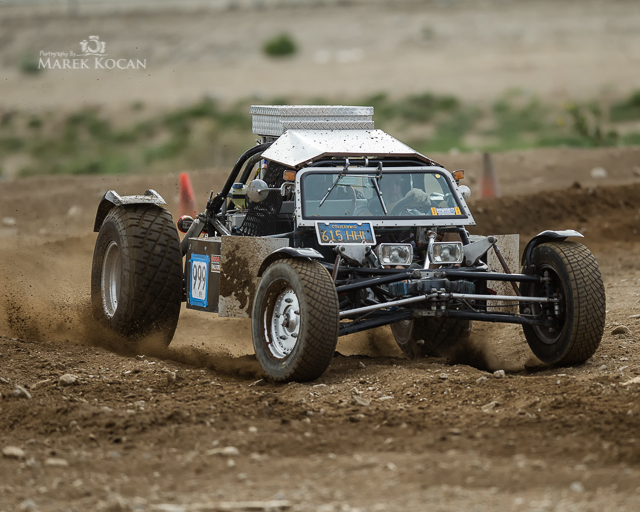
148 431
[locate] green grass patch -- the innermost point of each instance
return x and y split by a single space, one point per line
281 45
206 134
11 144
516 116
419 108
627 109
451 131
29 65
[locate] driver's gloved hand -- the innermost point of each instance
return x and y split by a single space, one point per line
417 196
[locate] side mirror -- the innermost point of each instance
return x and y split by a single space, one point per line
465 192
257 191
184 223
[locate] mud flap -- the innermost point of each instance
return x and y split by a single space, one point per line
509 246
221 273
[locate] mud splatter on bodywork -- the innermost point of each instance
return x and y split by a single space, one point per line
239 261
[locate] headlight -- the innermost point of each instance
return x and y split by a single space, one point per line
395 254
445 252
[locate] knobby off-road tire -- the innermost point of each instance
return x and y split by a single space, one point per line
435 337
295 320
575 276
136 277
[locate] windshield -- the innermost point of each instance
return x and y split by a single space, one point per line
397 195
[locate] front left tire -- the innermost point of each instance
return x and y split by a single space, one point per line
136 276
295 320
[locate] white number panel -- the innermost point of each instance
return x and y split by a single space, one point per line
199 285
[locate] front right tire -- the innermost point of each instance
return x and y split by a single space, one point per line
572 274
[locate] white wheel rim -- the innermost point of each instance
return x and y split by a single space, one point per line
111 275
284 324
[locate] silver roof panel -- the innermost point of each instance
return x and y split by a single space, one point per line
298 147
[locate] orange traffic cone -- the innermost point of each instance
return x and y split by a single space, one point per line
489 182
187 205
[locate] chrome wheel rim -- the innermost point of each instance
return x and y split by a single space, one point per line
111 276
284 324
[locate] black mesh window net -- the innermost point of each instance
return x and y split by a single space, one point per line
262 217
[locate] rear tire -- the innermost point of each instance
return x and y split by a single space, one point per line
431 337
136 276
575 276
295 320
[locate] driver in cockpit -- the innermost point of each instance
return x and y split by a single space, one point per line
393 192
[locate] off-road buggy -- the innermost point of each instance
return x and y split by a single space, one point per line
329 227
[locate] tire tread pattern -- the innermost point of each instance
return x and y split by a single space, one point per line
588 298
152 284
322 322
324 319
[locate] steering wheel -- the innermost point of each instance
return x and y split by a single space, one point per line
403 208
346 193
355 199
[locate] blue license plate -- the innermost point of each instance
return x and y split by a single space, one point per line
343 233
